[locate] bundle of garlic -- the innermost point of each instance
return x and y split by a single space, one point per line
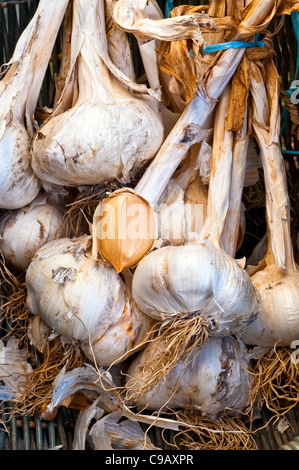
18 183
23 231
109 132
197 289
84 301
192 127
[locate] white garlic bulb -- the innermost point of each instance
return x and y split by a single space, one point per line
84 300
109 132
23 231
217 377
176 281
19 91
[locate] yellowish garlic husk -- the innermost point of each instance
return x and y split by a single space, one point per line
23 231
124 228
84 300
214 378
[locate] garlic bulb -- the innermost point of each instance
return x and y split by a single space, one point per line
109 132
194 123
215 378
278 282
175 282
18 183
23 231
84 300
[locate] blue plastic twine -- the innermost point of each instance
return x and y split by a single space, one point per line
242 44
169 6
232 45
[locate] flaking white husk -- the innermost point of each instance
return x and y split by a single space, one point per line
84 300
214 379
18 183
109 131
23 231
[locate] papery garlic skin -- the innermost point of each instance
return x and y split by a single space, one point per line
175 281
19 92
24 231
83 299
18 184
109 131
278 321
95 143
119 239
216 378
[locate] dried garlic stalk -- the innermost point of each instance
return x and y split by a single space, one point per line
278 282
18 183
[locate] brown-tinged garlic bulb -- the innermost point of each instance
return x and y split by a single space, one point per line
19 91
23 231
278 282
108 132
84 300
215 378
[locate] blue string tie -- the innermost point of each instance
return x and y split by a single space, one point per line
242 44
232 45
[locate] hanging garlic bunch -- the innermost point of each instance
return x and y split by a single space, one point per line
213 379
278 282
197 290
19 91
192 127
23 231
108 132
84 301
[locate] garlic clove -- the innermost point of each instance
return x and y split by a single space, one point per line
124 227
